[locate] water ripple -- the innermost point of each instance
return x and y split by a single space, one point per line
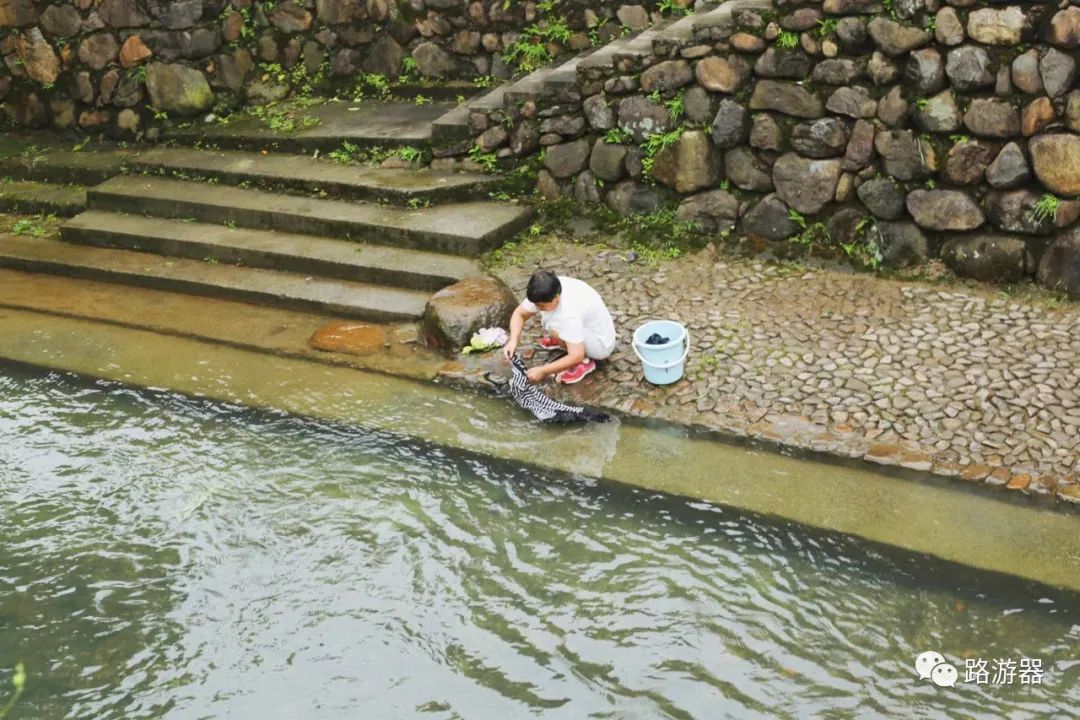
168 558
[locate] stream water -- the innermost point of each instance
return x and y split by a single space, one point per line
164 557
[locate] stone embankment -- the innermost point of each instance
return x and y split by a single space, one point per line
892 132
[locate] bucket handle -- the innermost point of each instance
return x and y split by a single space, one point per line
668 365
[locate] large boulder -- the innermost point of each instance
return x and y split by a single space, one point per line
134 51
787 98
969 68
634 198
948 29
335 12
1058 71
925 72
36 55
860 148
989 257
710 211
123 14
181 14
882 197
770 219
178 89
944 210
822 138
666 76
25 108
905 156
567 159
991 117
641 117
902 244
896 39
1056 159
837 71
731 124
1016 211
1009 169
17 13
1065 28
384 57
722 74
688 165
454 313
1059 268
747 171
790 64
804 184
608 161
939 114
854 102
97 51
967 161
1025 74
853 7
598 112
699 105
997 27
432 61
290 18
766 133
58 20
893 108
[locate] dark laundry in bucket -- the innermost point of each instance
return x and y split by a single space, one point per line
657 339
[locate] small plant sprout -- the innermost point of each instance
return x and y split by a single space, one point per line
1045 208
616 136
787 40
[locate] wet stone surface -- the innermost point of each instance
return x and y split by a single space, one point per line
933 378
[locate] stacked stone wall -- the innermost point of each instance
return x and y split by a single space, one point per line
119 65
897 131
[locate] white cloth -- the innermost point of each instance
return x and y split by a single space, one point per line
581 317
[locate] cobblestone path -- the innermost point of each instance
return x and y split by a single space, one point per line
944 378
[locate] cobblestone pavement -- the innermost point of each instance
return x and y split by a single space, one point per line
957 381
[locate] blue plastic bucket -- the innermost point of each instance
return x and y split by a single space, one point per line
664 364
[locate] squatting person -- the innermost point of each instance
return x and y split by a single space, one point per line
575 318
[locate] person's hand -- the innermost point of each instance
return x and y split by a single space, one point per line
508 351
535 374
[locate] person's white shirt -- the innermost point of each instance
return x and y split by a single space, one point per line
581 317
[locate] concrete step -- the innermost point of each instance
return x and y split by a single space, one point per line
563 80
300 173
531 87
29 197
87 167
680 33
368 123
303 254
461 229
603 59
197 277
721 15
454 125
629 57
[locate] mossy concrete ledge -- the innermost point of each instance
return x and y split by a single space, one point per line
947 522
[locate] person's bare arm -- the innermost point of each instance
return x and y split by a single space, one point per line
575 353
517 324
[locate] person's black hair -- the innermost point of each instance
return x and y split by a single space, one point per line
544 287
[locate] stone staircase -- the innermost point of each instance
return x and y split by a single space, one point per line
274 228
561 83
